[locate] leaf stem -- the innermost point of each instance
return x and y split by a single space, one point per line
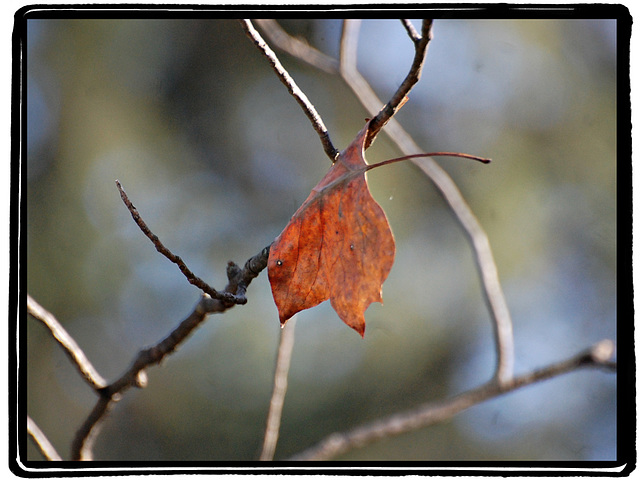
430 154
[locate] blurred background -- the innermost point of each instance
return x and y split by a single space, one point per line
217 156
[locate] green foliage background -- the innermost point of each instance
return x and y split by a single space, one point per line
217 156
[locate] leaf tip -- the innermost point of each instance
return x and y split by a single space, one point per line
358 325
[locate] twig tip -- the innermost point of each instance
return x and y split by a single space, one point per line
603 351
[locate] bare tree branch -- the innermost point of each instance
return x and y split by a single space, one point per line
41 441
212 302
68 344
431 413
293 88
490 282
283 362
135 376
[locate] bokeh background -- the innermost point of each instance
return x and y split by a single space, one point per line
217 156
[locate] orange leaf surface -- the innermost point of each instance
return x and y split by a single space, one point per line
338 246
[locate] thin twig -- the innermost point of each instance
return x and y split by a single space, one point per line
411 31
191 277
431 413
293 88
483 256
490 281
283 363
400 96
68 344
41 441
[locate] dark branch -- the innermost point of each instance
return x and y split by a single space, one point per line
411 31
82 444
225 296
400 97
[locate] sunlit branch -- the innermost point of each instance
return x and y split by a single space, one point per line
293 89
431 413
68 344
41 441
283 361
